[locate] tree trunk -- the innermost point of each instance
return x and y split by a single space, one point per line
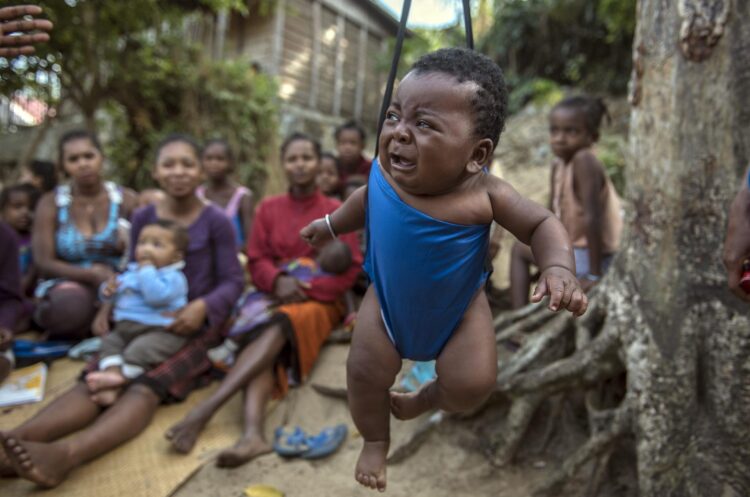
686 339
664 311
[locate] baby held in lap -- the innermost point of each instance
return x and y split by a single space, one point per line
142 299
258 307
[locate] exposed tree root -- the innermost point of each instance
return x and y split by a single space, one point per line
593 363
597 445
533 347
516 424
334 392
559 353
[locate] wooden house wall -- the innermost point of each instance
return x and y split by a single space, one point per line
327 60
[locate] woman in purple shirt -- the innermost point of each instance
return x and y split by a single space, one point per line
36 450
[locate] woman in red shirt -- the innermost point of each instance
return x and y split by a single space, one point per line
304 318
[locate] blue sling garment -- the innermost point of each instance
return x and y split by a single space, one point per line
425 271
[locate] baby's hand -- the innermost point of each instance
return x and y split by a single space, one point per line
563 289
110 288
316 233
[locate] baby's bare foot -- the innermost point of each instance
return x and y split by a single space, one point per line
103 380
184 434
42 463
410 405
243 451
370 470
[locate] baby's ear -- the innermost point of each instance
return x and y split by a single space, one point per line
481 156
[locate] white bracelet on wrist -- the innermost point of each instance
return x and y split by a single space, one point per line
330 228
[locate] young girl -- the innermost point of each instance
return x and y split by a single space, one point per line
236 200
17 204
428 207
328 178
583 197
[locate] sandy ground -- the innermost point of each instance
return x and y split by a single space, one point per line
447 464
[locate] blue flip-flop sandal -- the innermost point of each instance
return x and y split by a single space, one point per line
326 442
30 350
290 443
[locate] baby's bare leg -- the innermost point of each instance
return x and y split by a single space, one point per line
466 368
370 371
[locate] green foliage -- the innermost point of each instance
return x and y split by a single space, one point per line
583 43
539 91
611 150
135 61
178 89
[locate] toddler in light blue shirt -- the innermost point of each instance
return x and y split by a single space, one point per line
143 301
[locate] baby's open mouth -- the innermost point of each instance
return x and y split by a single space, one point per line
400 162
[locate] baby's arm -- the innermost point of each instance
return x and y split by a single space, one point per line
347 218
534 225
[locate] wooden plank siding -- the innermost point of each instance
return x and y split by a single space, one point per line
327 65
294 71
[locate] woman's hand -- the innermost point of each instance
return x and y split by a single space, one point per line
288 289
189 319
99 273
12 21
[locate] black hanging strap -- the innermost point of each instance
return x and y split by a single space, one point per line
397 56
394 67
467 24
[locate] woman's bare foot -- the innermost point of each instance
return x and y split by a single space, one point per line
410 405
184 434
104 380
370 470
6 470
106 397
244 450
42 463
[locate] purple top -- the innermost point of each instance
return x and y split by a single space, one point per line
11 301
212 269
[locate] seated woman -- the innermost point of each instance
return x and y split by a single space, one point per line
293 337
41 449
77 240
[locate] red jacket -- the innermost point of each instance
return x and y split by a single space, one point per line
275 240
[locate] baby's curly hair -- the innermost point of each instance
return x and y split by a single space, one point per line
490 102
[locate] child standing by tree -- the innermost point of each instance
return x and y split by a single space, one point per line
428 207
222 190
583 197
